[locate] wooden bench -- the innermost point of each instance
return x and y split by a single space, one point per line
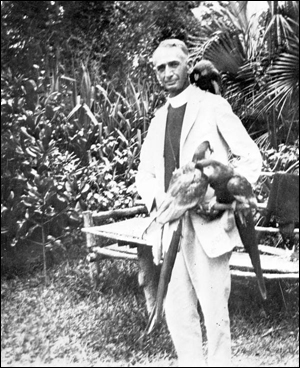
130 245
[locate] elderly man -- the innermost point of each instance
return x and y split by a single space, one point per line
201 271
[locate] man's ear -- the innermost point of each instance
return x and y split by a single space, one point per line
190 66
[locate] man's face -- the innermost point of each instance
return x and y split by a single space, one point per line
172 68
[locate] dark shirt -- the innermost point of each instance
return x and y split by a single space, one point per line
172 141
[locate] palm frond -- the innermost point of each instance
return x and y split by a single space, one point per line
225 51
282 87
258 58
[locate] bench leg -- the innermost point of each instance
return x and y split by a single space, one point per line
91 242
94 267
148 275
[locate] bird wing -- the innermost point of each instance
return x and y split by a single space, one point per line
242 190
187 187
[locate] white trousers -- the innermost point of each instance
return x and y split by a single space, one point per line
197 277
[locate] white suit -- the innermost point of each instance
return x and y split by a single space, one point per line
201 270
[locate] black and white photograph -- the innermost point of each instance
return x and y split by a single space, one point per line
149 184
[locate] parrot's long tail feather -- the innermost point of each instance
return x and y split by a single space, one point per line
153 320
164 279
249 239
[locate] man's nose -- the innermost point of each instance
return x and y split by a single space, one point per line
168 71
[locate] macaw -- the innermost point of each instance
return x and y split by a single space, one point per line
206 77
186 190
233 188
228 185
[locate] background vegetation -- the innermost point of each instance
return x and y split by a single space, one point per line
77 96
78 93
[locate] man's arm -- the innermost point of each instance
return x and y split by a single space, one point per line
241 145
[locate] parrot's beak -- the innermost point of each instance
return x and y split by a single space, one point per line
216 87
253 202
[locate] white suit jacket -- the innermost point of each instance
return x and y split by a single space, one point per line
207 117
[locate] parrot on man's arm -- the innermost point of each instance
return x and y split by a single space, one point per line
233 188
186 190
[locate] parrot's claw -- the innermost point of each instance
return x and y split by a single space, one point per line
242 218
234 205
211 204
239 212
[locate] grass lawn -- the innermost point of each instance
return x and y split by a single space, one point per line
68 324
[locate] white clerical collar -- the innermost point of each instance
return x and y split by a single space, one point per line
180 99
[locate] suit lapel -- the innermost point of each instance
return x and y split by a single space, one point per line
192 109
162 129
159 144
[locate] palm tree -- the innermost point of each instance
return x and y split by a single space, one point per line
279 98
258 55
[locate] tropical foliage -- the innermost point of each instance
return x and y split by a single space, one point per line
78 93
258 55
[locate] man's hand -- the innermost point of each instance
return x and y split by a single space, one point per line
209 210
